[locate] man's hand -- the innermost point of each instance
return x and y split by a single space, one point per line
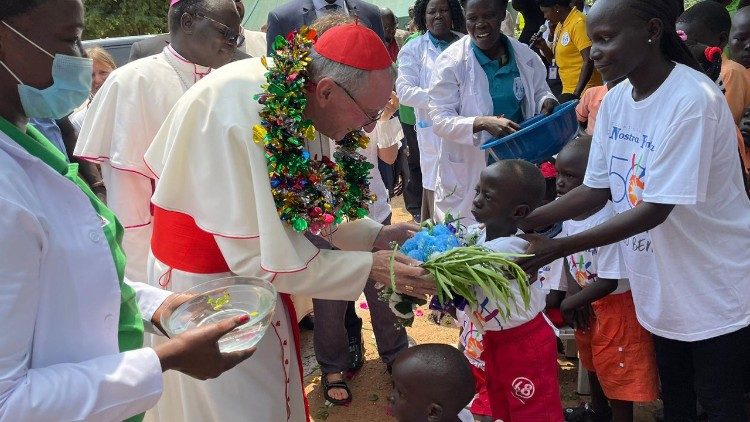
496 126
548 106
196 352
411 279
398 233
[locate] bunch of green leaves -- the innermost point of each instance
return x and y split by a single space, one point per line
461 270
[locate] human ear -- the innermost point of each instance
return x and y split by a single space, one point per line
655 28
186 22
521 212
434 412
324 91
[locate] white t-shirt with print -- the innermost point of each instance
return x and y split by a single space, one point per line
488 311
678 146
602 262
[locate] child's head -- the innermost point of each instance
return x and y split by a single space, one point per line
507 192
739 38
707 22
571 164
431 382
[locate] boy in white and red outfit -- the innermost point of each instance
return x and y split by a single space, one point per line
520 352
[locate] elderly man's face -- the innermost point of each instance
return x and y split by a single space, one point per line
344 112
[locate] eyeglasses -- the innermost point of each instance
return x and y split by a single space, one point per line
371 119
231 36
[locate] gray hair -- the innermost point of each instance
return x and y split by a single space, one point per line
350 78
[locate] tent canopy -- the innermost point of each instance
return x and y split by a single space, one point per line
256 11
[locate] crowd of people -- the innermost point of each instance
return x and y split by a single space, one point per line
122 187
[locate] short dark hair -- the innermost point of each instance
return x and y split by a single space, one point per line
581 144
711 15
457 15
526 179
191 7
12 8
447 364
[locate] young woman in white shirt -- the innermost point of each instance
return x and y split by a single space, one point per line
664 150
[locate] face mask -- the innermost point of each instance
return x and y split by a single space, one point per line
71 85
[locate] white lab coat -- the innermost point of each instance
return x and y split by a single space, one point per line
60 305
459 93
415 63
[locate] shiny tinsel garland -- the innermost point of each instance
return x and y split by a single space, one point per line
309 194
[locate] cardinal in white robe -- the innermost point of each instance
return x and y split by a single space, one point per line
215 215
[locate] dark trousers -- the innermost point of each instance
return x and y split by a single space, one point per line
336 321
413 189
714 372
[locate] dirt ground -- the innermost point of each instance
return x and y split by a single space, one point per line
371 386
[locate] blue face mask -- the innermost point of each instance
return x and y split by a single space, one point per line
71 85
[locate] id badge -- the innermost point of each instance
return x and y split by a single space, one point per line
552 72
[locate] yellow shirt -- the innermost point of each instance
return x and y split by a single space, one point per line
570 39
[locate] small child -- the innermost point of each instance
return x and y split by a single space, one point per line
431 382
616 351
520 353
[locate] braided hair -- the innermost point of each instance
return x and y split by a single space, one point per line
667 12
12 8
457 15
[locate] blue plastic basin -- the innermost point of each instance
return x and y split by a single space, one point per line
539 138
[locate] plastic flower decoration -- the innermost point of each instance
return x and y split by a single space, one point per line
449 252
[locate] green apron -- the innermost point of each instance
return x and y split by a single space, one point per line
130 328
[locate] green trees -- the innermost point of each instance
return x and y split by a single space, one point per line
118 18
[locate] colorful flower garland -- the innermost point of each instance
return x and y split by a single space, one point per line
309 194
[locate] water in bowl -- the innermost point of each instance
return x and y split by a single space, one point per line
223 303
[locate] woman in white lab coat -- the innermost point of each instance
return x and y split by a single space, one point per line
72 326
416 60
466 107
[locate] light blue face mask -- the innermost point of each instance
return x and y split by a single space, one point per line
71 85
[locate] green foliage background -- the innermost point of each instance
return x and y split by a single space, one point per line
118 18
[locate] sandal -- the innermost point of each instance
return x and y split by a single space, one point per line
329 385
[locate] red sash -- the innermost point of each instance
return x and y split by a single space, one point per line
179 243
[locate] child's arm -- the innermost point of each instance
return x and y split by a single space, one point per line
600 288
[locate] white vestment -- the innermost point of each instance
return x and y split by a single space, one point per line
255 43
119 126
210 169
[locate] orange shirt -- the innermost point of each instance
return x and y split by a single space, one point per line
588 107
735 80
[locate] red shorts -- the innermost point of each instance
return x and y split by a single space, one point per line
521 373
481 403
619 350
